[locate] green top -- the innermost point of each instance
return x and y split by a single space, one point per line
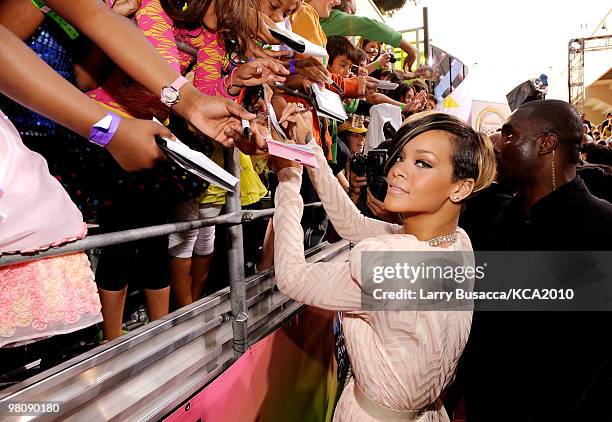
351 105
340 23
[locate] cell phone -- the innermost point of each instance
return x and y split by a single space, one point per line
355 69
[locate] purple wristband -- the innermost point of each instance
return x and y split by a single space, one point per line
292 70
104 129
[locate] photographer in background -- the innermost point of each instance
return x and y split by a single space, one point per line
367 182
352 137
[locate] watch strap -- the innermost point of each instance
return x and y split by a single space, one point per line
174 96
179 83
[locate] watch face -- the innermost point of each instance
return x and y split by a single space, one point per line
169 95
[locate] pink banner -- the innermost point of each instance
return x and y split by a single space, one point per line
287 376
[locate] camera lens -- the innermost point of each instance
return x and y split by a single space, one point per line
392 59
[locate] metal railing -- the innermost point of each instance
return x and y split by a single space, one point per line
148 372
167 360
234 217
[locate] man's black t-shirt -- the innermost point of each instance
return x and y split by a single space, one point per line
543 366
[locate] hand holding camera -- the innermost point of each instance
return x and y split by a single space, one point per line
371 168
356 182
391 55
378 209
383 60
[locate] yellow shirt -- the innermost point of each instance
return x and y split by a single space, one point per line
251 187
306 24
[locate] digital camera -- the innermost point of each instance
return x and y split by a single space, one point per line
372 165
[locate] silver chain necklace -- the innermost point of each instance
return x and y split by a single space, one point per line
447 238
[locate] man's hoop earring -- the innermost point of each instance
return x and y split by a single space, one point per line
554 178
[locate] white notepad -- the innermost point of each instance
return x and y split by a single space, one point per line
386 85
197 163
298 43
328 104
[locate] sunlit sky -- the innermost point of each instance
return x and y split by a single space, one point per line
505 42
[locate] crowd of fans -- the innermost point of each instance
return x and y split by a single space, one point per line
101 81
600 134
201 41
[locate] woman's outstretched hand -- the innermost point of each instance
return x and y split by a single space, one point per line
133 145
298 125
260 71
277 163
220 118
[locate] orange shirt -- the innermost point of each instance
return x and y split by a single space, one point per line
305 22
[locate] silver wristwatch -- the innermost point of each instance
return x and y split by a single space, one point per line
170 94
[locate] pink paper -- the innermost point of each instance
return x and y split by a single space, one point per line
293 152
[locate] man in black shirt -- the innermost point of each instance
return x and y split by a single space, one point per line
542 366
553 210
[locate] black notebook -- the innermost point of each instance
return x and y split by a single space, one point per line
197 163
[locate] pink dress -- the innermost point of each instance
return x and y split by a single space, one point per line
402 360
49 296
127 97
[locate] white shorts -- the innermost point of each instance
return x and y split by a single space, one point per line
197 241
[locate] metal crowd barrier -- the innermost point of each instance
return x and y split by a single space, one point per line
176 356
147 373
234 217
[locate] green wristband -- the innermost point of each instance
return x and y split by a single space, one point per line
68 29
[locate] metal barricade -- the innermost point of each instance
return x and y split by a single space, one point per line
179 354
146 373
234 218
